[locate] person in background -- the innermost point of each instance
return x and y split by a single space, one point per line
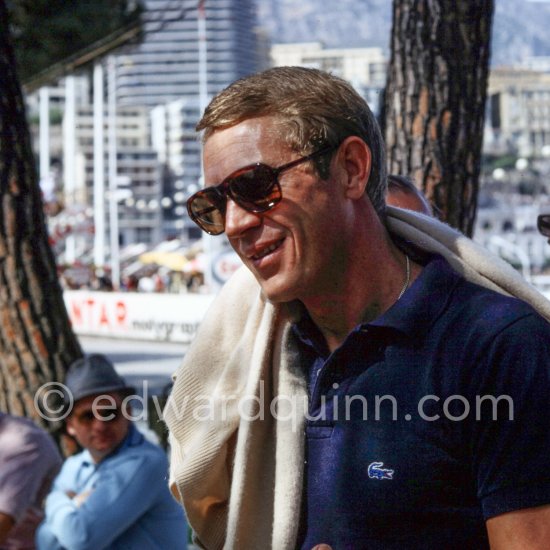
114 493
29 461
543 225
403 193
344 301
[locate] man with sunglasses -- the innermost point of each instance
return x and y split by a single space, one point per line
345 303
403 193
543 225
113 494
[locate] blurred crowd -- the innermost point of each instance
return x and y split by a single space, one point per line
150 279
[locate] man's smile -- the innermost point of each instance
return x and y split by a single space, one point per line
264 251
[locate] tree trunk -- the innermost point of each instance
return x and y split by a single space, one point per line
435 100
36 340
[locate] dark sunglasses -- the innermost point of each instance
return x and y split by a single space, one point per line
543 224
255 188
105 415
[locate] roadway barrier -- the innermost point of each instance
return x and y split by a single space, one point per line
132 315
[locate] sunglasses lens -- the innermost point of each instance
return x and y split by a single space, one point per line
87 417
257 189
207 209
105 415
543 223
110 415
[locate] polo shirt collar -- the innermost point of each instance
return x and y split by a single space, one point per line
420 306
412 315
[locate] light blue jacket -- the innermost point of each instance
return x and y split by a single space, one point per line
130 506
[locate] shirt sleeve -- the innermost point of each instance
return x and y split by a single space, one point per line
125 490
28 460
511 434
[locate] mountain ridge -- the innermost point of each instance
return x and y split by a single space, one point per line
520 27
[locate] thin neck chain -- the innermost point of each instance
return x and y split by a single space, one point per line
407 278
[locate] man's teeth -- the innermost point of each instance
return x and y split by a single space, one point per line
267 250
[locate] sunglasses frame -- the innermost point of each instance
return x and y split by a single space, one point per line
224 190
87 417
543 224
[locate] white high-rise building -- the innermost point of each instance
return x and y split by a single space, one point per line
164 72
365 68
179 151
165 65
518 112
137 165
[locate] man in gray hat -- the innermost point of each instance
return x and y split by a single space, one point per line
114 493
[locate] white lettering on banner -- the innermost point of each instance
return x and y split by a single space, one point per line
165 317
93 311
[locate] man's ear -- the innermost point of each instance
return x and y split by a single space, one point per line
69 428
356 157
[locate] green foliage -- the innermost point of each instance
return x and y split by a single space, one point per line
490 163
47 31
56 118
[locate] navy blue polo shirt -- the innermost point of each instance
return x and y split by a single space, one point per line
427 421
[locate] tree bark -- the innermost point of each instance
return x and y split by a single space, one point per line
435 100
36 340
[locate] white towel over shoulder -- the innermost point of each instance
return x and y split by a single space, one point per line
236 469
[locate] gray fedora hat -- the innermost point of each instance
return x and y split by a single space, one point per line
93 375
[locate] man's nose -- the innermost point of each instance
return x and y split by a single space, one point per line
238 220
100 424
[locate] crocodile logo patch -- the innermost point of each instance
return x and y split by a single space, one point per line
377 471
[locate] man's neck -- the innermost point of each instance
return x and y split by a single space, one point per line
370 284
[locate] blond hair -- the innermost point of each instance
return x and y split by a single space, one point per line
314 108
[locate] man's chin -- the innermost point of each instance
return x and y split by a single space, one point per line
278 293
105 448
